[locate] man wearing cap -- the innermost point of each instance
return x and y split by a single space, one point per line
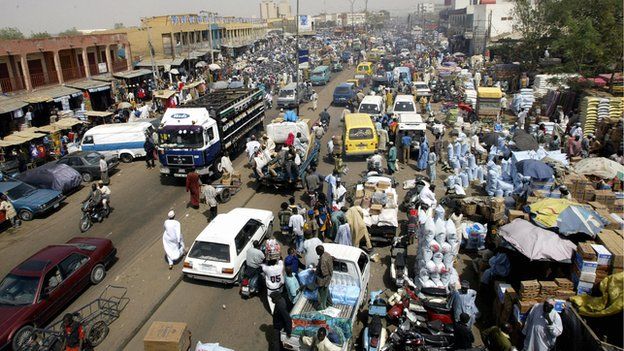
172 239
542 327
463 301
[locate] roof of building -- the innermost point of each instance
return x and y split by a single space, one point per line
48 94
90 85
132 74
10 104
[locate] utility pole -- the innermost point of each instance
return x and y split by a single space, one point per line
297 89
211 17
486 37
151 50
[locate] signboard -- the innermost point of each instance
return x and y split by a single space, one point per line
102 67
305 23
304 56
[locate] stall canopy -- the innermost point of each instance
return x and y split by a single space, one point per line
536 243
132 74
106 77
566 216
534 169
164 94
10 104
22 137
90 85
100 114
161 63
67 123
50 94
600 167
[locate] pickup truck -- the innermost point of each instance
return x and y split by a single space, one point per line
351 268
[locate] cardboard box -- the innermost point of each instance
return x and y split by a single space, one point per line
604 256
525 306
359 193
605 197
589 193
584 288
370 186
615 244
597 205
585 265
383 185
167 336
513 214
548 287
564 283
611 222
586 251
618 206
376 207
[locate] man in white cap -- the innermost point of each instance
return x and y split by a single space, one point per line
172 239
542 327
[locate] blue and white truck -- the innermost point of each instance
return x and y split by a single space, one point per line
198 135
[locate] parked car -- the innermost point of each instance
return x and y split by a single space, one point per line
218 253
87 163
422 89
28 200
343 93
52 176
38 289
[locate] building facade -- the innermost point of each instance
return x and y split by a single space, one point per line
426 7
268 9
26 64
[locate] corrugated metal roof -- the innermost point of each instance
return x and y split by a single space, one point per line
132 74
89 84
49 94
161 62
10 104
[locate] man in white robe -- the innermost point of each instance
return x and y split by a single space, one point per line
542 327
340 195
172 239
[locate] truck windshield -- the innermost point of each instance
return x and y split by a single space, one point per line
191 137
404 106
286 93
369 108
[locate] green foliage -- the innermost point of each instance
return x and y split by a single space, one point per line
40 35
69 32
9 33
585 34
118 25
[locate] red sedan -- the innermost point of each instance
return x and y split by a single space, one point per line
37 290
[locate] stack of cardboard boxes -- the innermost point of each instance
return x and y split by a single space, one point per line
613 243
592 263
577 184
364 194
503 304
233 179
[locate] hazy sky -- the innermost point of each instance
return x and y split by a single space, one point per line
57 15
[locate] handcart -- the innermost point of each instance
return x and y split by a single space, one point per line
95 318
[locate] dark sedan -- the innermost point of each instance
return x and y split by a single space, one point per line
87 163
37 290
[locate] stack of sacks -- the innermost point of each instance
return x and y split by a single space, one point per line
589 113
603 109
471 97
616 107
495 185
438 245
527 98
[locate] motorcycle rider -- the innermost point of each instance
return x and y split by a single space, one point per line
375 162
254 258
95 196
106 193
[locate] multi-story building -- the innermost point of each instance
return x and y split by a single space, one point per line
350 19
425 7
284 10
268 9
26 64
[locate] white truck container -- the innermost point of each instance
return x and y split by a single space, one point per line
125 140
351 267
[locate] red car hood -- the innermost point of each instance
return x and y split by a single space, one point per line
11 318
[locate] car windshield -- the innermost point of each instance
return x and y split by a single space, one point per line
421 86
20 191
317 74
18 290
342 90
204 250
181 138
404 106
286 93
369 108
92 158
360 133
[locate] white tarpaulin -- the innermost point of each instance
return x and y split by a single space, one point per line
279 131
537 243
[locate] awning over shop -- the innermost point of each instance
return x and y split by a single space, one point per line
10 104
106 77
50 94
164 94
161 62
67 123
7 143
22 137
132 74
48 129
89 85
101 114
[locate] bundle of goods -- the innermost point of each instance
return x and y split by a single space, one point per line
523 100
438 245
589 113
603 109
471 97
565 99
592 263
616 107
529 292
378 200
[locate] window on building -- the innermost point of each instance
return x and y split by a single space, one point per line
205 35
166 42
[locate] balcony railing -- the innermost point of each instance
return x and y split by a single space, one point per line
120 66
73 73
7 86
37 79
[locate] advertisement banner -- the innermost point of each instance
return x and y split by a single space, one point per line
304 56
305 23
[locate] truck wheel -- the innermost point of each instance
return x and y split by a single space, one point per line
215 168
126 158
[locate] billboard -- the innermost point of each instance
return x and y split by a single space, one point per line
305 23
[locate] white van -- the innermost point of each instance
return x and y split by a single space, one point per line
372 105
125 140
404 104
220 250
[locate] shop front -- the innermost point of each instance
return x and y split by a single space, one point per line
60 100
11 111
97 95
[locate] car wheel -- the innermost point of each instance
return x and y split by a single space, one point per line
21 336
26 215
98 273
87 177
126 158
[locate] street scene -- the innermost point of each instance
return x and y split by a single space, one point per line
294 175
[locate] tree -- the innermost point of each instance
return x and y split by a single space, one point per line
69 32
40 35
10 33
118 25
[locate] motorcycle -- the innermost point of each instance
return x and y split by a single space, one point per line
92 214
249 283
404 339
437 334
374 335
398 259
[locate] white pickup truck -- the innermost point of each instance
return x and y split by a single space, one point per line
351 268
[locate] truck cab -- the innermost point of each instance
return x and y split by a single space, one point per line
289 96
348 289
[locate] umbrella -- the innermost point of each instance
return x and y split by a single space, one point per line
536 243
600 167
534 169
566 216
524 141
214 67
174 71
201 64
491 139
123 105
222 84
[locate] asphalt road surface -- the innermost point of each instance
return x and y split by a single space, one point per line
214 313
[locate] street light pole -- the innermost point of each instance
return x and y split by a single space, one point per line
297 92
